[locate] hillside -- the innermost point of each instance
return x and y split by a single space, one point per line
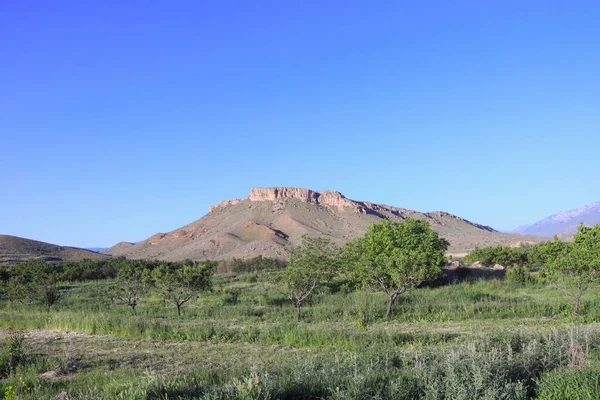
117 248
269 219
16 249
564 223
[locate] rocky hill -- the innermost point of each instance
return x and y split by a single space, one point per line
119 247
564 223
16 249
269 219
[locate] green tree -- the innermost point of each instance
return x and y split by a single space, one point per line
519 274
131 286
505 256
396 256
178 286
19 288
32 283
311 264
551 250
47 291
574 268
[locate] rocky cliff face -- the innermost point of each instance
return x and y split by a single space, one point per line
277 193
326 197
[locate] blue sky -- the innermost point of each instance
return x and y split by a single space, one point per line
122 119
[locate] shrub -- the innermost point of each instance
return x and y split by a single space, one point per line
231 295
248 278
518 274
506 256
256 264
12 354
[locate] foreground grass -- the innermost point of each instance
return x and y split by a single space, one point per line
487 339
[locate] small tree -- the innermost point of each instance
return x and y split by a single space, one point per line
19 288
32 285
47 291
396 256
574 268
131 285
21 281
309 265
178 286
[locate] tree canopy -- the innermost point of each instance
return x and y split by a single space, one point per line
396 256
312 263
132 284
574 268
180 285
533 257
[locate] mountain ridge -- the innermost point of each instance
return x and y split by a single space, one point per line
563 223
14 249
269 219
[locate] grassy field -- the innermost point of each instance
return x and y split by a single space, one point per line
474 340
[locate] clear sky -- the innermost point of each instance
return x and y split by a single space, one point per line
120 119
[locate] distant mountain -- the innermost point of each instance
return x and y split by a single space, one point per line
117 248
563 223
96 249
270 219
16 249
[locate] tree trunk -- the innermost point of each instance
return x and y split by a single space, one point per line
391 301
577 305
298 305
178 309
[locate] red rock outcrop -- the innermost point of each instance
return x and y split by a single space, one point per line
157 237
276 193
326 197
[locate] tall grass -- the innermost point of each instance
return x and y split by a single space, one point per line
343 348
570 384
507 367
262 315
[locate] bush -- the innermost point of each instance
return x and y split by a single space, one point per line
506 256
231 295
250 265
518 274
12 354
248 278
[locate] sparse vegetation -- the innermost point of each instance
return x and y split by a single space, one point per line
497 338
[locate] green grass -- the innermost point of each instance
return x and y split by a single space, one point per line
485 339
570 384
